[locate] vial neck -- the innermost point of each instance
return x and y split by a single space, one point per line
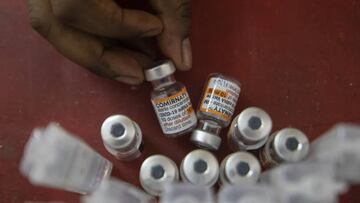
209 126
163 82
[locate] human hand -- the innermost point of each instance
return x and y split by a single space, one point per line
92 33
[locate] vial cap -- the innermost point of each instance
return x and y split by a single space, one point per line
205 140
291 144
240 168
200 167
160 70
118 131
254 124
156 172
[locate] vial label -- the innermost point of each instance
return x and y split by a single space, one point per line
220 98
175 113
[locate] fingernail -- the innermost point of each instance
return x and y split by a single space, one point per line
187 53
129 80
151 33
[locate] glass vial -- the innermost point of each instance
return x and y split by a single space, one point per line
286 145
200 167
122 137
216 108
156 172
249 130
55 158
239 168
170 100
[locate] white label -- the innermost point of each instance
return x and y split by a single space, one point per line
175 113
220 98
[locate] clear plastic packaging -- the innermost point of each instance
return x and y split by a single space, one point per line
247 194
187 193
305 182
116 191
339 146
54 158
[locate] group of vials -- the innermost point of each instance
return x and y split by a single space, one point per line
249 131
56 159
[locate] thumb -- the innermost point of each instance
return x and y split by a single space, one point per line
174 41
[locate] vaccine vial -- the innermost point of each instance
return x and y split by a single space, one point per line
187 193
239 168
286 145
170 100
122 137
156 172
249 130
216 108
54 158
200 168
117 191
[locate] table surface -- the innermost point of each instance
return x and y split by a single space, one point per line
299 60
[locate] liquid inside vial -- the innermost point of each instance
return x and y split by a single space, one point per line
219 99
171 101
215 110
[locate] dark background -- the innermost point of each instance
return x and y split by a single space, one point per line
299 60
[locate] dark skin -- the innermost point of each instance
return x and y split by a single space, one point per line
112 41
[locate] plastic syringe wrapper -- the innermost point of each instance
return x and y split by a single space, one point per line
55 158
116 191
339 146
305 182
247 194
187 193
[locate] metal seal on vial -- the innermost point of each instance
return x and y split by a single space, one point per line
240 168
200 167
122 137
160 70
286 145
156 172
250 129
206 136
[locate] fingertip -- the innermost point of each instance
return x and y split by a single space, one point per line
182 67
177 49
186 52
129 80
146 24
184 63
